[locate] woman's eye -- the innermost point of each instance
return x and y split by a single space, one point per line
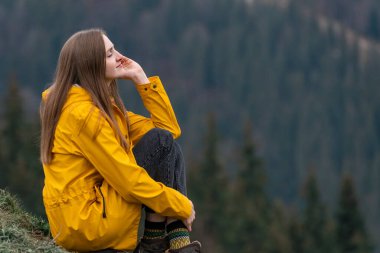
110 52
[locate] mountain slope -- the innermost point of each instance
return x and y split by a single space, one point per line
21 232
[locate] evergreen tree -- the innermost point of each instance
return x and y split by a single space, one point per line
296 235
21 170
315 221
11 141
251 178
252 209
351 233
210 191
279 240
213 174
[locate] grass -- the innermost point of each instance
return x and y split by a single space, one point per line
22 232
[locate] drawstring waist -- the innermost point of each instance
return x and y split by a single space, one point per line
54 199
91 193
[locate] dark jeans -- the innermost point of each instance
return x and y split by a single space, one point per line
161 156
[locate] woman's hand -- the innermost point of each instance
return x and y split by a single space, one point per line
189 221
133 71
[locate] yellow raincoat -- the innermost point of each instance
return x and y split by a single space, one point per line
94 189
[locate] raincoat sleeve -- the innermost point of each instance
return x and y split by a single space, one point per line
162 115
96 140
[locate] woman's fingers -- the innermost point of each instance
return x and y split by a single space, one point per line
187 225
189 221
125 61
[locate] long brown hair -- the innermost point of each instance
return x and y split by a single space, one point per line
81 61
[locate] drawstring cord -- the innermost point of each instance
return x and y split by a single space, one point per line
104 203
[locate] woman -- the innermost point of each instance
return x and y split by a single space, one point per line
91 147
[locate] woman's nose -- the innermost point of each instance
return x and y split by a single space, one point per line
118 56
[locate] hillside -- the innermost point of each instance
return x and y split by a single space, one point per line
22 232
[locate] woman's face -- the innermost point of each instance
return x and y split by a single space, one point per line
114 67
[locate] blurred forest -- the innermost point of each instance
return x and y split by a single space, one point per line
278 100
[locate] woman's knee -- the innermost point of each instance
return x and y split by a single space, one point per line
163 137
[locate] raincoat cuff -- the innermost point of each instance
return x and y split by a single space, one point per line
153 85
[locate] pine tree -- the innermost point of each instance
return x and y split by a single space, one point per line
21 170
214 195
351 233
209 191
252 176
11 141
252 211
315 221
296 235
279 240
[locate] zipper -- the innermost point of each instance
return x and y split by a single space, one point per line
104 203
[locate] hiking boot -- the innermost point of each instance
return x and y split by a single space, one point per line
152 246
194 247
